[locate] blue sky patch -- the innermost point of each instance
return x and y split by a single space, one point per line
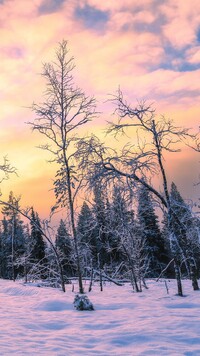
92 18
175 59
50 6
183 66
198 35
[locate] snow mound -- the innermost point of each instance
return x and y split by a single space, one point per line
54 305
18 290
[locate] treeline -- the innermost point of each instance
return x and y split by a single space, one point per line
119 235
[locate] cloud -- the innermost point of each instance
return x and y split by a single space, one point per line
182 22
91 17
150 48
193 55
117 6
168 84
50 6
13 52
183 168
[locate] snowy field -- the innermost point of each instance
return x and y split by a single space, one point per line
42 321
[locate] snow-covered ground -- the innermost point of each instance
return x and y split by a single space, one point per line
42 321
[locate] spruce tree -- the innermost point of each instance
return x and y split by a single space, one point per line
6 249
102 229
13 239
121 221
154 243
86 233
185 227
127 249
169 272
63 244
38 246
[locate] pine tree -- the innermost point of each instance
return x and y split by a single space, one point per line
86 233
121 222
150 233
38 246
185 227
63 244
13 237
169 272
6 249
102 230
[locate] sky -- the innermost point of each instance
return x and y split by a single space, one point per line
150 48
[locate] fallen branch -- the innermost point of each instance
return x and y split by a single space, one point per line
165 269
106 277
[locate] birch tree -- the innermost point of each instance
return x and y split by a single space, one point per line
64 110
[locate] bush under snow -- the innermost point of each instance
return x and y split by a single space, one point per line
82 302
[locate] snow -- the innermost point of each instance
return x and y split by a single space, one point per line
43 321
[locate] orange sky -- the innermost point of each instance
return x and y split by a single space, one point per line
151 48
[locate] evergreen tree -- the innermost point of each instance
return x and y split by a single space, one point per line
102 229
126 248
187 232
169 272
86 233
6 249
154 243
121 222
13 239
37 254
63 244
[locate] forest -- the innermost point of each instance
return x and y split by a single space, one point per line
126 228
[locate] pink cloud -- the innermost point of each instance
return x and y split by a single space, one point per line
113 5
183 19
193 55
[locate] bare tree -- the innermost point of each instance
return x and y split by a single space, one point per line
65 109
6 169
141 160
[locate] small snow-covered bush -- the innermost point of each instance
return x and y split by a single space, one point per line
82 302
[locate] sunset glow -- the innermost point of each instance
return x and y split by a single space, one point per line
150 48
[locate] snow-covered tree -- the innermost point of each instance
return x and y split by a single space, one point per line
13 240
150 233
187 233
63 244
37 254
120 220
86 231
102 229
65 109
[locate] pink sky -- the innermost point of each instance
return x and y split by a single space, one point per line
150 48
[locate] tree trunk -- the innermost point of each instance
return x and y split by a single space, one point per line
91 278
175 248
71 208
178 278
101 280
193 274
61 275
13 250
100 273
134 280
